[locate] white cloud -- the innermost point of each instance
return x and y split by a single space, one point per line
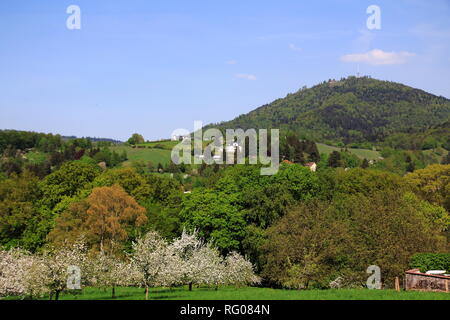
231 62
250 77
379 57
293 47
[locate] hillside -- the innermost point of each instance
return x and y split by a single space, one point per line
360 153
352 110
153 155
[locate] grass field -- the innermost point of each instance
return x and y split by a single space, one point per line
231 293
135 154
167 144
360 153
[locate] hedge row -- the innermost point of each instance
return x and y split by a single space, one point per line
431 261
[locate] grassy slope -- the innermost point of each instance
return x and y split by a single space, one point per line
231 293
154 155
168 144
361 153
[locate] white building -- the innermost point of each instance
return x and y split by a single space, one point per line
312 166
180 138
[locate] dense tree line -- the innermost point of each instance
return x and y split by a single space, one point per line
23 140
43 153
296 150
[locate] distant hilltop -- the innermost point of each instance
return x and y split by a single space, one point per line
93 139
355 110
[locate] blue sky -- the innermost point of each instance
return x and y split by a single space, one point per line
155 66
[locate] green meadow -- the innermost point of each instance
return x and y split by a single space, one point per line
144 154
251 293
360 153
166 144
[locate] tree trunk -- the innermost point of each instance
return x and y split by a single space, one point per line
113 292
57 295
190 286
146 293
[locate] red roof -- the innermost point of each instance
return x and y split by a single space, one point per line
417 271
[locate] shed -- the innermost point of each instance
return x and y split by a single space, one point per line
416 280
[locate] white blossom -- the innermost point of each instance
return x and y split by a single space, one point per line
21 274
153 263
157 262
202 264
110 271
239 271
54 264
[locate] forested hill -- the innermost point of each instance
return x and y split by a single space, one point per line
352 110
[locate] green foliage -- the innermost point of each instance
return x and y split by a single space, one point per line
367 182
430 261
365 164
165 190
163 219
216 215
136 138
304 248
300 181
349 160
88 160
241 197
446 160
111 158
67 182
298 151
334 160
432 184
133 183
142 167
18 196
25 140
318 242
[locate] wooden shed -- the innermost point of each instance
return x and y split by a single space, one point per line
416 280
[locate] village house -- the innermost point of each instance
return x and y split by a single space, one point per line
180 138
429 281
312 166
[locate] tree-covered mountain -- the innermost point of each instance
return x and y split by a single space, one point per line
355 110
